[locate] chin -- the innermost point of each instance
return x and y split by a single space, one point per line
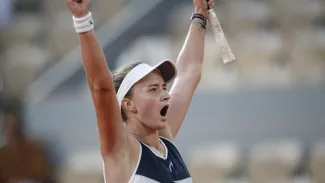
161 125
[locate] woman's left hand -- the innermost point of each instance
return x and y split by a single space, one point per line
202 6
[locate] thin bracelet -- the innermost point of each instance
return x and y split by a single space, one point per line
200 21
199 18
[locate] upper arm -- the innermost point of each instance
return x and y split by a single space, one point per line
109 121
111 136
181 95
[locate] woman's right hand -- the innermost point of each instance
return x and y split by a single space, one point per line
78 8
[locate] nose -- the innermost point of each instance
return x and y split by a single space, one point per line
165 96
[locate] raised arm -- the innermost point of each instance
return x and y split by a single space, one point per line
189 67
111 133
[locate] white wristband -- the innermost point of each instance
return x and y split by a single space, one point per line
83 24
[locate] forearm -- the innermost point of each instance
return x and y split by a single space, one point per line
192 53
94 61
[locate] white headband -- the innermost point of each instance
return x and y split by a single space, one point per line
131 78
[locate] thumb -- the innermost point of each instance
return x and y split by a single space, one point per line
74 3
207 3
69 2
77 1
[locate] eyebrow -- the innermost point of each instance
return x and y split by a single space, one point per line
157 85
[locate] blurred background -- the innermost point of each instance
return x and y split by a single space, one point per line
259 119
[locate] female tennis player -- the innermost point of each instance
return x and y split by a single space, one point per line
137 118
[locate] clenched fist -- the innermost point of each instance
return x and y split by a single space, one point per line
202 6
78 8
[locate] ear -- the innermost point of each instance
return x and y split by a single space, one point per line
128 105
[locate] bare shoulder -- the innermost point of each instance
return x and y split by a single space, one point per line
121 166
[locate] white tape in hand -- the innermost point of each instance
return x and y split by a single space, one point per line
226 53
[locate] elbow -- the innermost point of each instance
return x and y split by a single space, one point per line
197 72
191 78
101 84
197 77
191 71
193 66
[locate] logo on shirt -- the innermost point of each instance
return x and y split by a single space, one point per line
171 166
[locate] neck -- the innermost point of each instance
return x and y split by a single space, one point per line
144 134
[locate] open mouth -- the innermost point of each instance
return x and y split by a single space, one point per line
163 111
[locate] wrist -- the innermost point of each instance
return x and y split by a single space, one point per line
80 15
199 18
201 11
83 24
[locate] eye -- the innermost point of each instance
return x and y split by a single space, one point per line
153 90
165 88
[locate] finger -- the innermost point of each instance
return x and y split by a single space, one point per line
211 5
71 2
208 4
78 1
